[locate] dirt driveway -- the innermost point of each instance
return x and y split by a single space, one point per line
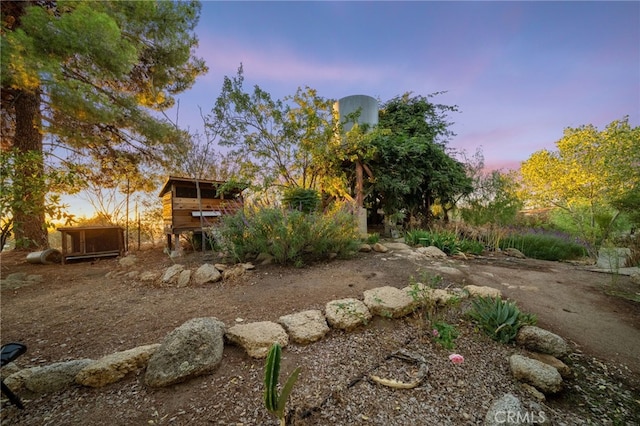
571 301
76 312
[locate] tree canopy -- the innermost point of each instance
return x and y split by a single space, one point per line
278 143
593 176
87 76
412 169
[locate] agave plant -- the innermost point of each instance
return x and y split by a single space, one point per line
272 401
500 319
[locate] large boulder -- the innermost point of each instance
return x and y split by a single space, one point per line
256 338
542 376
305 327
389 302
193 349
206 273
113 367
540 340
48 378
347 314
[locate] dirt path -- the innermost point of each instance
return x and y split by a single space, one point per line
572 302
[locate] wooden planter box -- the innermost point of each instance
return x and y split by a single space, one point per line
85 242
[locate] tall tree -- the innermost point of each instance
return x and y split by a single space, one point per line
86 76
592 177
412 168
279 143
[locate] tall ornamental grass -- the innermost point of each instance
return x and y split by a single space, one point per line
545 245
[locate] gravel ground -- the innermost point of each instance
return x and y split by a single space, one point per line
334 387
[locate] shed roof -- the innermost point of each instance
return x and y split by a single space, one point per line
215 183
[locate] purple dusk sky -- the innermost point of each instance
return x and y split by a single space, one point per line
520 72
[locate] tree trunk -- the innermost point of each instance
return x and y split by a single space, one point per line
29 186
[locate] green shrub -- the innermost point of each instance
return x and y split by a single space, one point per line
471 246
545 246
498 318
444 334
304 199
447 241
372 238
290 236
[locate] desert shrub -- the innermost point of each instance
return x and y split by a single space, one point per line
545 245
290 236
499 319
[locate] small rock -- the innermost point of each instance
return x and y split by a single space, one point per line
183 278
365 248
562 368
127 262
379 248
398 247
449 270
482 291
514 252
432 251
206 273
148 276
533 391
503 410
171 273
264 259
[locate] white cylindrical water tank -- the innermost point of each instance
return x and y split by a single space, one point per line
367 105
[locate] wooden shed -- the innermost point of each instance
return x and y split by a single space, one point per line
87 242
182 212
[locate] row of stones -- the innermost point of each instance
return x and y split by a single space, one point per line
196 347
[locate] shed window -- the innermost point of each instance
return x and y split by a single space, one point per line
191 192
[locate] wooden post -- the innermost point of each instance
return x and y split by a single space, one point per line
359 185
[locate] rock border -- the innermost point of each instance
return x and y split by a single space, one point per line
255 338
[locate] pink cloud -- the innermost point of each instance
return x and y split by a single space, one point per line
280 64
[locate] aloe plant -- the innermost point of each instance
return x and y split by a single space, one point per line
500 319
274 402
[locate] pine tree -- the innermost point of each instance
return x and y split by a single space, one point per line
86 77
